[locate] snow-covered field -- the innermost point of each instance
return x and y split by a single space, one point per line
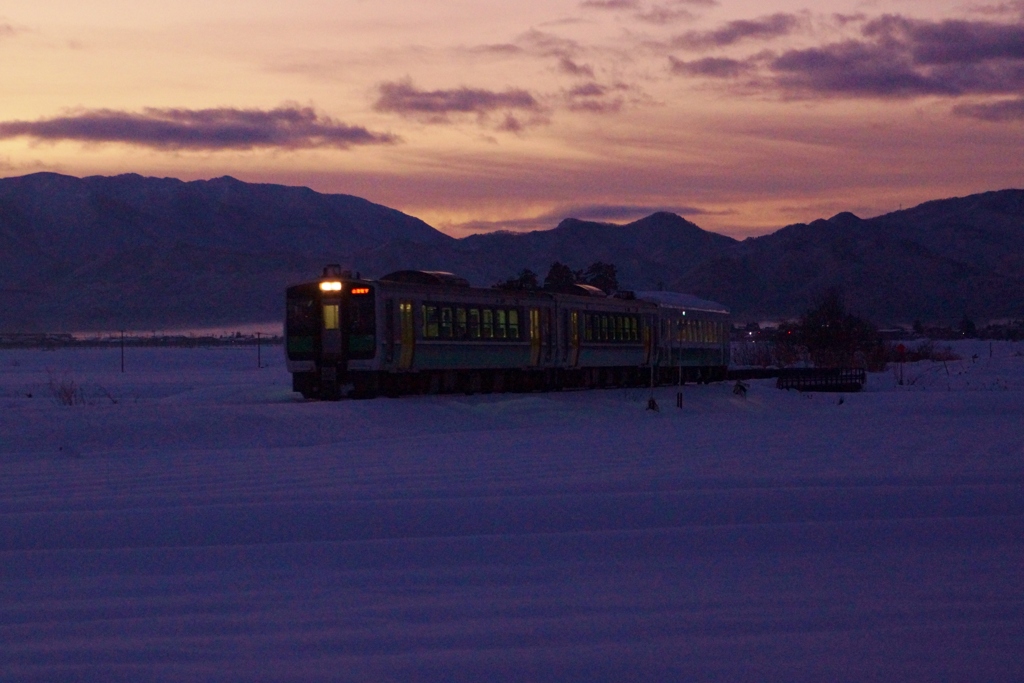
193 520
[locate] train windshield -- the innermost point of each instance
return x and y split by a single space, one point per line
302 318
302 324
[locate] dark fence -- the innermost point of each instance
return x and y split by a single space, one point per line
806 379
823 379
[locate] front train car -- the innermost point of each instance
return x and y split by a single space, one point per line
329 324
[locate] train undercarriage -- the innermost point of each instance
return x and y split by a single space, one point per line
372 384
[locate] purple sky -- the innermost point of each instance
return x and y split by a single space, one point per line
742 116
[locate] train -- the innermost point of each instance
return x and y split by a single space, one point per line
420 332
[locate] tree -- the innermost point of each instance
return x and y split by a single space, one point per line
836 338
560 276
602 275
526 280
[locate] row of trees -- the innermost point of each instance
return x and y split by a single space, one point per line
602 275
833 337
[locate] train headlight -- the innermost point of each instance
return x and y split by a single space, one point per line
331 286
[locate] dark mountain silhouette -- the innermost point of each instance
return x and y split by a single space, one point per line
129 251
936 262
147 253
647 252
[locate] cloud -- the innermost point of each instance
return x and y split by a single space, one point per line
1002 8
666 13
402 97
588 90
950 41
610 4
661 15
200 129
900 57
593 97
710 67
548 44
845 19
570 67
503 49
1003 110
855 68
511 124
764 28
636 5
888 57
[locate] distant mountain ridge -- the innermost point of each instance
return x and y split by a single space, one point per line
935 262
149 253
129 251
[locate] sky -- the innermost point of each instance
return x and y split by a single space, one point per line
481 115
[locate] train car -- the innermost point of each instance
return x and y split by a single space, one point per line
431 332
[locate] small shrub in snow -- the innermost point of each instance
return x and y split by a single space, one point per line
103 391
65 390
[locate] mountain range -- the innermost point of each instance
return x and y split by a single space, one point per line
129 252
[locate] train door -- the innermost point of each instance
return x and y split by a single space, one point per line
649 333
389 331
408 331
548 333
535 336
330 341
574 338
563 337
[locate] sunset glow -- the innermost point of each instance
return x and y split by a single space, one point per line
741 116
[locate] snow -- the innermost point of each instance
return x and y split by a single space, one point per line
192 519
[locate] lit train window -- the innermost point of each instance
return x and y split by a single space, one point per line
474 323
331 321
457 322
488 323
500 329
460 323
610 328
446 323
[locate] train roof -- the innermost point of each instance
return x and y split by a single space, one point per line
680 300
426 277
